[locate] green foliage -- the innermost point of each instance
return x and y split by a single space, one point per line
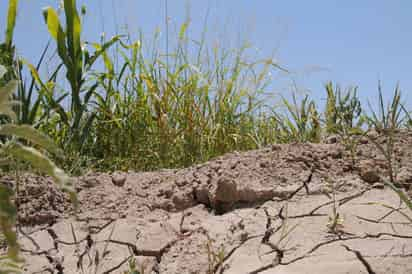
35 96
387 117
301 122
11 22
78 63
13 149
7 48
343 110
149 115
404 198
132 268
408 117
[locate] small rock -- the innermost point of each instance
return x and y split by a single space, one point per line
368 172
182 200
370 176
335 153
373 134
276 147
333 139
363 140
119 179
404 177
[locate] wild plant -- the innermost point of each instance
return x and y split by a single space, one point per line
13 150
389 117
302 121
132 265
408 117
186 112
335 220
387 124
343 111
215 256
387 121
7 49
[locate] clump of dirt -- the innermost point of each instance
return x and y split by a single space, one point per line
39 200
264 211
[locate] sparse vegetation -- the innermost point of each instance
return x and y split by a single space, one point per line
13 150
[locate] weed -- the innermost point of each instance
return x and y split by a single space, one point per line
12 149
343 111
215 256
389 117
132 267
335 220
301 123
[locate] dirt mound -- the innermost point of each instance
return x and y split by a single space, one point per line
39 199
264 211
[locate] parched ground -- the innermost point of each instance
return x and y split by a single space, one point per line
264 211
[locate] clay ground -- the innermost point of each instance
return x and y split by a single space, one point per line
264 211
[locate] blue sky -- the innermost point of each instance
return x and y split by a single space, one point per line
350 42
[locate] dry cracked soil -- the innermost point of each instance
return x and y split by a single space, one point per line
293 208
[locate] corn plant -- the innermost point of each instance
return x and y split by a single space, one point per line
7 48
13 149
78 62
36 97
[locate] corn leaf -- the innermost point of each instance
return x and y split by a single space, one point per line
11 21
56 31
30 134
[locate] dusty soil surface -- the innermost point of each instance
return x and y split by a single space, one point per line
296 208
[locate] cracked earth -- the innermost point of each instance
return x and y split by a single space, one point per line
295 208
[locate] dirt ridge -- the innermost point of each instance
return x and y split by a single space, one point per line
262 211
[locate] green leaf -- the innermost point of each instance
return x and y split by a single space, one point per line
73 27
400 193
52 21
11 22
106 59
102 49
56 31
34 73
30 134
